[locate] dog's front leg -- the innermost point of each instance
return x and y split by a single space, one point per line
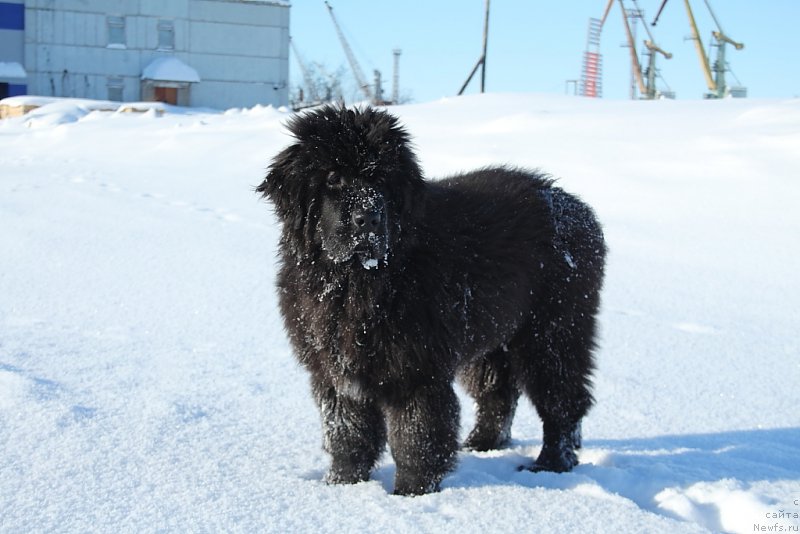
423 436
354 434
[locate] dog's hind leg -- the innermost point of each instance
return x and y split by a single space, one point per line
354 434
423 436
558 381
490 382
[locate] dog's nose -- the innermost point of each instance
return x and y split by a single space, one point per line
365 220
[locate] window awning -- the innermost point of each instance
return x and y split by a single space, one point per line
170 69
12 72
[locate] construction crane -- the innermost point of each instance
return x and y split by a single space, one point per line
645 81
351 58
310 85
650 92
651 72
636 67
715 79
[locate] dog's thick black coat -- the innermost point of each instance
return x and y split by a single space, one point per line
392 286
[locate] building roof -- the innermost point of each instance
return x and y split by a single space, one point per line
169 69
12 71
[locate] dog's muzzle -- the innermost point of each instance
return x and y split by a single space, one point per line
370 229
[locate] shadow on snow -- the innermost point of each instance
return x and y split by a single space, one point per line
658 474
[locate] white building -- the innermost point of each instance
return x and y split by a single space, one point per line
212 53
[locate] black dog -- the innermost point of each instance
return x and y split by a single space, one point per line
391 286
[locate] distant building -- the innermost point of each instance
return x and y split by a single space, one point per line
210 53
13 78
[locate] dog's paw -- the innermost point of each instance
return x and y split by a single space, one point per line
480 442
411 484
349 475
414 489
554 460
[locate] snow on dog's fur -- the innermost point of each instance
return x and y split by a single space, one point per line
392 286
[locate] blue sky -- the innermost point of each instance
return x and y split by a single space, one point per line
535 46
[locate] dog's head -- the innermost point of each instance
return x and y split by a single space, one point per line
344 187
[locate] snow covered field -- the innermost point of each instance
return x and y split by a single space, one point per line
146 383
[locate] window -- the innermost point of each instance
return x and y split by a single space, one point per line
166 35
115 86
12 16
116 32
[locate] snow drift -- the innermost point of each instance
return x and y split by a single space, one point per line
146 383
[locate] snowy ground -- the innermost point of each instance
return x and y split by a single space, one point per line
146 383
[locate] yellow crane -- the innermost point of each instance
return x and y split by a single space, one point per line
653 49
715 79
646 82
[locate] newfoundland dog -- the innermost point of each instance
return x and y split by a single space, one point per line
392 286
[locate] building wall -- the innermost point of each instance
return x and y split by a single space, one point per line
239 48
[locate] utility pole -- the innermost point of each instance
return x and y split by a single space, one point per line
396 78
481 60
485 42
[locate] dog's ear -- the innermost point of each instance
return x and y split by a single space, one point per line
285 188
277 185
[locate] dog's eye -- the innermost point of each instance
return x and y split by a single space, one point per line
333 179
